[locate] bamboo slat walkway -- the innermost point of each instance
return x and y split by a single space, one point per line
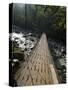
39 68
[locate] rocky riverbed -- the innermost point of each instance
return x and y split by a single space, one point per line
58 51
26 42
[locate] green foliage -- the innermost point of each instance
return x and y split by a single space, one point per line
41 18
15 51
14 46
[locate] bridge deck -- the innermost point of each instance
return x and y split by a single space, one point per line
39 68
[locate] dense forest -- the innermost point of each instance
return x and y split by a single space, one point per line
41 18
27 23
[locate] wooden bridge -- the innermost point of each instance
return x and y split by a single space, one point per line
39 67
